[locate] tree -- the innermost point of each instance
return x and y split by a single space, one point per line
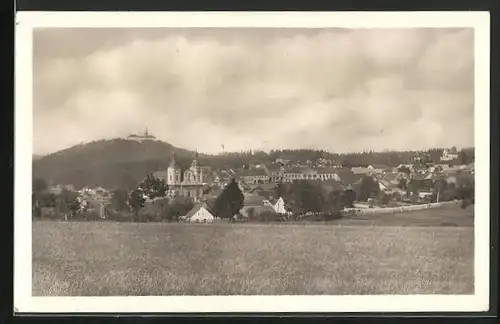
384 198
402 184
439 187
348 198
404 169
280 190
39 185
413 188
251 214
38 189
369 188
306 196
119 200
463 157
136 201
230 201
178 207
153 187
67 203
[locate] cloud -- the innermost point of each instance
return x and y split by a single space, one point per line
340 90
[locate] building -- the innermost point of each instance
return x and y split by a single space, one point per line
308 173
254 176
187 183
275 171
143 137
361 170
328 173
277 205
377 168
254 205
199 214
449 155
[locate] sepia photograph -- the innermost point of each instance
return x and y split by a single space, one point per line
180 159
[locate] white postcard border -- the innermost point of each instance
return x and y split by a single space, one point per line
23 300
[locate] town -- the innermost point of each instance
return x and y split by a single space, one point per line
284 190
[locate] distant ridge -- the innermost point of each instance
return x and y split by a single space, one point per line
107 163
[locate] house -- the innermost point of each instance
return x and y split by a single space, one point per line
361 170
327 173
254 176
199 214
292 174
254 205
376 168
264 190
253 200
279 206
212 191
275 171
449 154
425 194
392 177
309 173
282 162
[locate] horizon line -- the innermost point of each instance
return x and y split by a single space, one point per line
260 150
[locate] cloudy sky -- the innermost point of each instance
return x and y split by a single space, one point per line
341 90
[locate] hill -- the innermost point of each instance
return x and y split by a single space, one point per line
108 163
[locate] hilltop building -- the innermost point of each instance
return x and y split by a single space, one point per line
144 137
187 183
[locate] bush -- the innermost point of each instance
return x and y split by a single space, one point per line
121 216
49 213
266 216
149 217
87 216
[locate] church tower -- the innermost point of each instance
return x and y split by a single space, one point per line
173 172
196 171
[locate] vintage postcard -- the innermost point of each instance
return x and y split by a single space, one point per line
252 162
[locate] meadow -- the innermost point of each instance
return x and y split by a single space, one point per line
417 254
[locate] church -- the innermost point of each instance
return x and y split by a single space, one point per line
186 183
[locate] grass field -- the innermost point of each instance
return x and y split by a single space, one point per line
106 259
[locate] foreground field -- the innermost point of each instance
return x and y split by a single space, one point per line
83 259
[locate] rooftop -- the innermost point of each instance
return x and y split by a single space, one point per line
257 172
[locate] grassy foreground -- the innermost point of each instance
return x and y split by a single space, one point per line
110 259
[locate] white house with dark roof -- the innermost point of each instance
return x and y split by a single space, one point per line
199 214
279 206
